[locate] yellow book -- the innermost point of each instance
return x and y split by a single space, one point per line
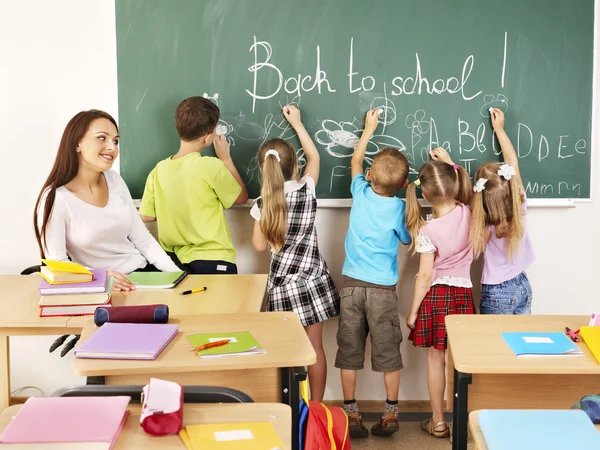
591 336
233 436
62 272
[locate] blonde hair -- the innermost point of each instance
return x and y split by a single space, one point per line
439 182
274 211
500 205
389 171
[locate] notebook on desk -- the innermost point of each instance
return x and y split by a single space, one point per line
66 423
58 272
127 341
232 436
156 280
75 304
534 344
240 343
97 285
591 337
538 429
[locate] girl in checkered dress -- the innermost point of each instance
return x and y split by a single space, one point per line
285 213
443 284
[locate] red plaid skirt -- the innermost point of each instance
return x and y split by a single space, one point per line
440 301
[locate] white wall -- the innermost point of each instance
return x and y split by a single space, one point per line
57 58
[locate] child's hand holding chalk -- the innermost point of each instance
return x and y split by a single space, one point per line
372 120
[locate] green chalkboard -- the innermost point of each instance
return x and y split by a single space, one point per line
433 66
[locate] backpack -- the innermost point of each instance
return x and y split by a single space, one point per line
322 427
591 405
595 319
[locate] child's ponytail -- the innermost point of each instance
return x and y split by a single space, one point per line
478 224
273 217
414 221
515 233
465 189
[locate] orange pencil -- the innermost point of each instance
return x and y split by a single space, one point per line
210 345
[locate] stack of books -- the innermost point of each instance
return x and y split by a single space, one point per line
68 289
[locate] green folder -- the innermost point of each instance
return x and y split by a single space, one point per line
156 280
240 343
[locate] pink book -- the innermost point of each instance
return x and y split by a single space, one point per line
67 423
127 341
98 284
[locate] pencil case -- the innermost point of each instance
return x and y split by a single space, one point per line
132 314
162 408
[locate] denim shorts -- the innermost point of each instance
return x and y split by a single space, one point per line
511 297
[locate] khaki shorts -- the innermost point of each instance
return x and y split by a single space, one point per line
366 310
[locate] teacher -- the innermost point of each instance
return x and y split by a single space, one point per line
85 213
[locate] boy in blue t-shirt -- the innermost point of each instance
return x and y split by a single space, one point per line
368 299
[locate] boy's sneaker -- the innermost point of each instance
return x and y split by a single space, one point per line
356 428
387 425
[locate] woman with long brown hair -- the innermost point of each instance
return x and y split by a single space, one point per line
85 213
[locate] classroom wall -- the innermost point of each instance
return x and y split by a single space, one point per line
59 57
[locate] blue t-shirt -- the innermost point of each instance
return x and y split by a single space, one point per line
376 225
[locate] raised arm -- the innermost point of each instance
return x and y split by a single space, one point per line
313 160
508 151
371 122
223 153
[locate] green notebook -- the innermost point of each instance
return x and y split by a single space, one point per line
240 343
156 280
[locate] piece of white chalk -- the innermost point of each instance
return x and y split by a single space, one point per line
491 110
379 111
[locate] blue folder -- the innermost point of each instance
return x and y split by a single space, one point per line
541 344
541 429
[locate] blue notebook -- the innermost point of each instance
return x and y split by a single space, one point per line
541 429
541 344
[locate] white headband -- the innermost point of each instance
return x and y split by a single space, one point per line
273 152
479 185
507 171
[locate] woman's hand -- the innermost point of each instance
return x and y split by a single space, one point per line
121 282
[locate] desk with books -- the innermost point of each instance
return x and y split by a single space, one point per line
132 436
477 435
19 297
265 377
484 373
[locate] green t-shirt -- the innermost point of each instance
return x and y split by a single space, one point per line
188 197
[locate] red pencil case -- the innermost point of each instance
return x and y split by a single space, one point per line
162 408
132 314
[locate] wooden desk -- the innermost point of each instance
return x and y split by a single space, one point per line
476 431
133 437
266 378
479 356
20 314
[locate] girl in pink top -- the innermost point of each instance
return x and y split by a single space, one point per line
499 231
443 284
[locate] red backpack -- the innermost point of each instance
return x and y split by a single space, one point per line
326 428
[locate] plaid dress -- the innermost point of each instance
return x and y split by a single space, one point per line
299 279
441 301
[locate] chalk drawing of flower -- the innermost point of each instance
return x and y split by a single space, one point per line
417 123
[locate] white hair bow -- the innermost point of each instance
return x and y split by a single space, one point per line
479 185
507 171
273 152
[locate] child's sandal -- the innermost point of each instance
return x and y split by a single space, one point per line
430 427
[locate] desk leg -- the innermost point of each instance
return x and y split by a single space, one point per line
460 412
4 372
95 381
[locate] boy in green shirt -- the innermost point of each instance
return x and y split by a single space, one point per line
187 194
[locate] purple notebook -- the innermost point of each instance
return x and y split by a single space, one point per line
127 341
98 284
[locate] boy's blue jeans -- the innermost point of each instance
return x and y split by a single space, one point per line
511 297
